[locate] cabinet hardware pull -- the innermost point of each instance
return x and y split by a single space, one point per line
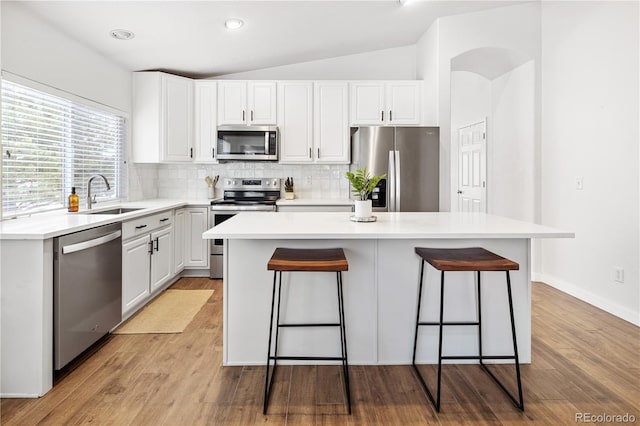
242 115
310 152
157 243
251 115
150 247
390 115
382 115
190 152
164 220
318 153
141 226
213 153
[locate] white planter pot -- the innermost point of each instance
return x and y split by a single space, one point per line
363 209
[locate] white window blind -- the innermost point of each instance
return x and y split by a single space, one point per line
51 144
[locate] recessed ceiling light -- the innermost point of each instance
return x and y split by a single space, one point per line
122 34
233 23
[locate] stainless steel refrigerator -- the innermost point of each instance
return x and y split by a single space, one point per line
410 158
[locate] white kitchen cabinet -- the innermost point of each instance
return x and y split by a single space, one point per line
295 121
162 257
179 241
162 118
386 103
331 122
147 259
205 121
246 103
196 248
136 272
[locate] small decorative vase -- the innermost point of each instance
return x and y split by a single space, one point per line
289 195
363 209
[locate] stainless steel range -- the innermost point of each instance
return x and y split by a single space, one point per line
240 195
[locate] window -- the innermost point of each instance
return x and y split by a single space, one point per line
51 144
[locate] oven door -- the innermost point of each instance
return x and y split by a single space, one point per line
217 245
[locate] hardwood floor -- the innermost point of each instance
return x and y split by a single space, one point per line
584 361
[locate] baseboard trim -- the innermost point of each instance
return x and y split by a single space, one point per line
589 297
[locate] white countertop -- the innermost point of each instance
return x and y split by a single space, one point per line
315 202
53 224
403 225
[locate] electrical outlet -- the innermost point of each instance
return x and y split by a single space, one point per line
618 274
579 183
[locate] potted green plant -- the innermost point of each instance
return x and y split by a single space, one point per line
362 184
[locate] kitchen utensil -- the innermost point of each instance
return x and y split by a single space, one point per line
209 182
215 180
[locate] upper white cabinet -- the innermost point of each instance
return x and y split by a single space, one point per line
206 133
162 118
331 122
313 119
390 103
295 121
246 103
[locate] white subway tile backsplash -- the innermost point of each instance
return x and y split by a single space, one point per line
177 180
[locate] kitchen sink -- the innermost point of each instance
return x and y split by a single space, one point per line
119 210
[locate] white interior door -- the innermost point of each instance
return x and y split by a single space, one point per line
472 167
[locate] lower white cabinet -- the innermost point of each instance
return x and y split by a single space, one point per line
179 241
196 249
147 259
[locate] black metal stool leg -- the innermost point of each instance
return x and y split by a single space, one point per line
440 340
266 377
479 319
515 344
343 341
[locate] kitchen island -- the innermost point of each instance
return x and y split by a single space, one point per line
380 288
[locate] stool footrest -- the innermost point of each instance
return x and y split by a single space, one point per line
307 358
450 323
325 324
482 358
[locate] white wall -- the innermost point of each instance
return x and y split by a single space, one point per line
590 130
515 28
427 66
511 145
389 64
33 49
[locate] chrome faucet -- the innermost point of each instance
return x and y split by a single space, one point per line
89 200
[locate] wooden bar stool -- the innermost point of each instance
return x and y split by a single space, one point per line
309 260
466 259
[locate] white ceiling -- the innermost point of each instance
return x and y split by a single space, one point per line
189 38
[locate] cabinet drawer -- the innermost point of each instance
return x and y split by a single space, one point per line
146 224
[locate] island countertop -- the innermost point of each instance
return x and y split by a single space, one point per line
397 225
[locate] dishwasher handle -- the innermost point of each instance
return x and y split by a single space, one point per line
71 248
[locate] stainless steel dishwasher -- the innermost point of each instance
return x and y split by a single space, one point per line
87 289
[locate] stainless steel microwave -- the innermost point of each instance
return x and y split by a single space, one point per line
249 143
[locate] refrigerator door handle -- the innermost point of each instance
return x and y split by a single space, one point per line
391 184
397 179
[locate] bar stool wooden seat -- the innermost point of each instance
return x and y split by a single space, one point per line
466 259
307 260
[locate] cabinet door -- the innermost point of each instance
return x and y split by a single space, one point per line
206 132
232 102
197 248
162 258
135 272
331 122
367 103
178 123
404 103
295 121
262 103
179 239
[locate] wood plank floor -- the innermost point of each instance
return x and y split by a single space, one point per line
584 361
